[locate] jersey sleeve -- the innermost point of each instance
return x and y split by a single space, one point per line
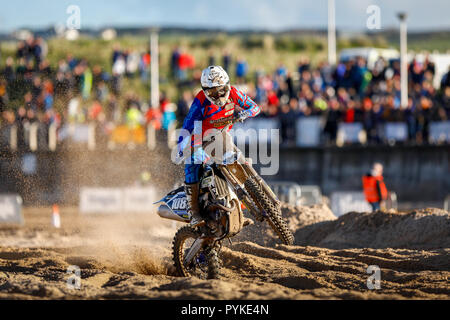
192 127
246 103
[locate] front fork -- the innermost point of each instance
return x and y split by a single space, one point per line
248 167
237 174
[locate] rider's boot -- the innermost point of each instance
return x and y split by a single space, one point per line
192 195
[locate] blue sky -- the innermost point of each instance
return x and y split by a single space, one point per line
228 14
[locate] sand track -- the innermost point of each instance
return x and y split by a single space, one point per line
129 258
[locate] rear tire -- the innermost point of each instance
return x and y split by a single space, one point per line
211 269
273 211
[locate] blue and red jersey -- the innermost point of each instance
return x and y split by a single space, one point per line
212 116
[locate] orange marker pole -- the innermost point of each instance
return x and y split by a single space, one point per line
56 218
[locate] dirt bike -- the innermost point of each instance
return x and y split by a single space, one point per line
227 187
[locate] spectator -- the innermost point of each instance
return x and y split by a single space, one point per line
8 72
174 63
3 95
154 117
374 187
226 60
21 119
116 84
134 117
445 83
144 66
48 95
101 91
349 92
95 111
133 61
37 51
288 123
119 66
112 109
86 81
334 115
184 104
116 54
169 116
211 59
185 62
241 70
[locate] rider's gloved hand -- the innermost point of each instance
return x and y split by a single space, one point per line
244 115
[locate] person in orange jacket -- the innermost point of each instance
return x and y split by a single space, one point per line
374 187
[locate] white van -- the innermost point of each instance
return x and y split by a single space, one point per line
371 55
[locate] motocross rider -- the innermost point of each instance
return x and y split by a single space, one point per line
212 107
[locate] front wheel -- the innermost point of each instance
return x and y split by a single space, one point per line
273 211
205 264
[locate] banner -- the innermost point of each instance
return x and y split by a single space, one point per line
117 200
345 202
29 164
311 195
396 131
287 192
350 132
254 130
78 133
11 209
124 135
308 132
439 132
101 200
139 200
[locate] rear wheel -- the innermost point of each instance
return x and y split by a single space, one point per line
205 264
273 211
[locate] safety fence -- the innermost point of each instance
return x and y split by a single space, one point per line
447 203
40 137
309 133
11 209
343 202
117 200
295 194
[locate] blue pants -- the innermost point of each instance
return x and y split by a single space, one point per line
192 170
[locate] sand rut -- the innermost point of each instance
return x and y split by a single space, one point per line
129 258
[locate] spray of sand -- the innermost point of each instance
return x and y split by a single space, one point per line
125 243
132 243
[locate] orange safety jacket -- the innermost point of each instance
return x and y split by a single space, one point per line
374 189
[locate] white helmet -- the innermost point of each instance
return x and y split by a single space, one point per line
216 85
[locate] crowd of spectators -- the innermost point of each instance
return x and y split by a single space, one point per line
350 93
76 91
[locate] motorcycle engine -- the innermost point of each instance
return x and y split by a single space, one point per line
214 190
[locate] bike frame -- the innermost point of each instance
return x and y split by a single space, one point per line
241 170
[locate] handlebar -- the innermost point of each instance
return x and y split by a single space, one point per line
230 122
224 129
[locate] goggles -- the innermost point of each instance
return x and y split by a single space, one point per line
217 92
